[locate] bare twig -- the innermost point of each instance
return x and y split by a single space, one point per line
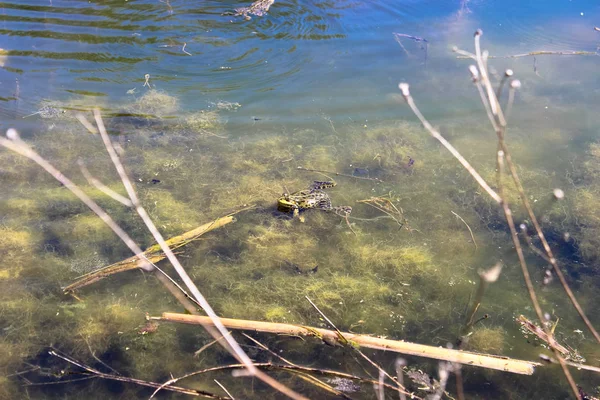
224 389
544 53
468 227
571 364
120 378
102 187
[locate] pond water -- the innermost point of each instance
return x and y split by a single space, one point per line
215 112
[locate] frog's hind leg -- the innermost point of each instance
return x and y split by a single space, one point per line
325 203
342 211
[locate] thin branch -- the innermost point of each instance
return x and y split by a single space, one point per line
290 368
404 88
120 378
224 389
468 227
544 53
102 187
340 174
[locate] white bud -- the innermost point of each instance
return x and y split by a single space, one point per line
404 89
474 72
12 134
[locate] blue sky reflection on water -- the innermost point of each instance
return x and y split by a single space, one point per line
334 57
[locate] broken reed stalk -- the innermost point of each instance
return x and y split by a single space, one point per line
333 337
498 121
153 254
539 332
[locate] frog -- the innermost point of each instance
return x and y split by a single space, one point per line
311 198
258 8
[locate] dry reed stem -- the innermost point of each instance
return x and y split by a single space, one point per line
503 153
233 345
329 336
494 111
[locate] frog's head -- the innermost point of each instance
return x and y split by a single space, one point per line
285 204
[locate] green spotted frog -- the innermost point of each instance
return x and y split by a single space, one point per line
313 197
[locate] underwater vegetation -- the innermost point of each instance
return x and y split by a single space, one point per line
412 281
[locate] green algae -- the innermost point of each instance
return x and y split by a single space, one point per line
487 340
155 103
